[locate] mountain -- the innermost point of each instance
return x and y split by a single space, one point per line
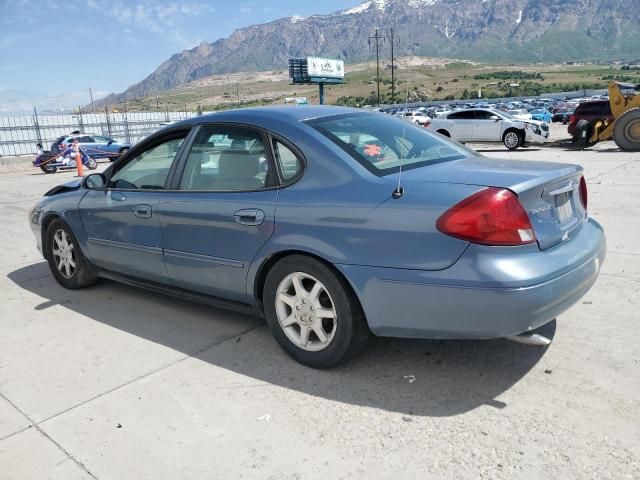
486 30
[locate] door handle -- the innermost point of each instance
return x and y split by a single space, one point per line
251 217
142 211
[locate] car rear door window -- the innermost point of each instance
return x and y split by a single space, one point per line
148 170
85 139
466 115
227 158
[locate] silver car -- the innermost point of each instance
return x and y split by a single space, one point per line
487 125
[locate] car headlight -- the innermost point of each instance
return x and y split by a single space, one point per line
534 128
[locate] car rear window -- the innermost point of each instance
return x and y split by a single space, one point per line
384 144
594 108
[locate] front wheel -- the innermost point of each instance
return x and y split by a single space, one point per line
626 131
92 164
312 312
67 263
512 140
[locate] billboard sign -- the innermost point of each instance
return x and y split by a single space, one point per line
325 67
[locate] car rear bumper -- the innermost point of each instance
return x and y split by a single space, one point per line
504 293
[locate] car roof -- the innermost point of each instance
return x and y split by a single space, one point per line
293 112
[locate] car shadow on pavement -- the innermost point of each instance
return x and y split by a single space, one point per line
412 377
504 150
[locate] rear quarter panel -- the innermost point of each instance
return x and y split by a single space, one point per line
345 214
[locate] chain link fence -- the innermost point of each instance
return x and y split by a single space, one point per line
20 134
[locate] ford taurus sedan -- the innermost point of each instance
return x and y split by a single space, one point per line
333 224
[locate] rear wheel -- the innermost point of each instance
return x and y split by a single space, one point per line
626 131
67 263
512 139
92 164
581 133
48 168
445 133
312 312
122 152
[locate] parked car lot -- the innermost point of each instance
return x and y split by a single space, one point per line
112 382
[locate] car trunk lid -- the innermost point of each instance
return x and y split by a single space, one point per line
549 192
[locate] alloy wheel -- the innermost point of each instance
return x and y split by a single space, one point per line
63 253
306 312
511 140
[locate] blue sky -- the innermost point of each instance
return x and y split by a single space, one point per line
52 51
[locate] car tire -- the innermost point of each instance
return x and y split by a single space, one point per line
92 164
512 139
581 133
297 288
67 263
626 131
120 153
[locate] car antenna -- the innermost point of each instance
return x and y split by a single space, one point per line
399 190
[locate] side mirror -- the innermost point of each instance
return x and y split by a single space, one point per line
109 142
95 181
495 118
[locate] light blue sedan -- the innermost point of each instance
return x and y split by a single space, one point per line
333 224
541 114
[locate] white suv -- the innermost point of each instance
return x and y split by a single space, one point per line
486 125
420 118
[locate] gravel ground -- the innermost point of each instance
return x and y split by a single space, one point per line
113 382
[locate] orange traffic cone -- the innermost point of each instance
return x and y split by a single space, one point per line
79 163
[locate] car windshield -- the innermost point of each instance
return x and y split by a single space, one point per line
383 144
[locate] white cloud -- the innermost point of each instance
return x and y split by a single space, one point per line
153 16
23 101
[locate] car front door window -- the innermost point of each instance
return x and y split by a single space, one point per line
148 170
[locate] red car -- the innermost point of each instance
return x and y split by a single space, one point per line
589 111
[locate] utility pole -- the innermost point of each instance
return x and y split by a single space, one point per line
393 67
93 107
238 93
377 38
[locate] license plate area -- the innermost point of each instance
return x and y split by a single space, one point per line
564 208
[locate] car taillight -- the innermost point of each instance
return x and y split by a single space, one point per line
583 192
493 216
572 119
427 123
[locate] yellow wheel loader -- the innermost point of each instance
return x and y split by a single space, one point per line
624 129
